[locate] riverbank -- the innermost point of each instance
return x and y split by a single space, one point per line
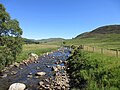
93 71
38 49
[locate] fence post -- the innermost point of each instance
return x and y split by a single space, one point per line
117 53
101 50
93 49
87 48
83 47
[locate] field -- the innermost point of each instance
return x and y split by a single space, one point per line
108 41
94 71
97 65
35 48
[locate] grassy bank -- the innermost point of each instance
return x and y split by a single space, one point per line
94 71
35 48
108 41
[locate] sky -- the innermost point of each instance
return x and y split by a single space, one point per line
41 19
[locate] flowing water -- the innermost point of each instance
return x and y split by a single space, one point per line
23 71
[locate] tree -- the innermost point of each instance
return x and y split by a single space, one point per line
10 38
64 42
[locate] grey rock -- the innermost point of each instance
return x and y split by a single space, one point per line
29 76
41 73
41 83
3 76
54 69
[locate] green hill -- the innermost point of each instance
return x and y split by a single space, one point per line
56 41
104 30
105 36
30 41
51 40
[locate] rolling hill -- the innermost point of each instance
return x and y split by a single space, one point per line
104 30
51 40
44 41
105 36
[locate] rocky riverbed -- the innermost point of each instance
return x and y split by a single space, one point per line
46 73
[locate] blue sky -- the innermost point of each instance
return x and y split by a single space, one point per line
42 19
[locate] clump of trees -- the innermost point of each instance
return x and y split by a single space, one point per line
30 41
10 38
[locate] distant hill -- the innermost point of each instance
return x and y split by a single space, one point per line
110 29
30 41
51 40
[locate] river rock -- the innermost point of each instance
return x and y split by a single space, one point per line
58 88
17 86
54 69
16 64
25 63
56 62
60 61
40 73
41 83
59 67
65 62
29 76
3 75
14 72
21 68
33 56
38 68
11 66
30 73
48 66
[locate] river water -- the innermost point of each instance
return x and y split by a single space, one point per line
23 71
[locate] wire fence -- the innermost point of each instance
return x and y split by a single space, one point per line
109 52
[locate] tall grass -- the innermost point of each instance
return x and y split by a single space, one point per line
94 71
35 48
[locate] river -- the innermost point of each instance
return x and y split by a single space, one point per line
27 73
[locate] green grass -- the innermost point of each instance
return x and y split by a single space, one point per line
94 71
108 69
35 48
108 41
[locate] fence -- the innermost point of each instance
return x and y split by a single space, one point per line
102 51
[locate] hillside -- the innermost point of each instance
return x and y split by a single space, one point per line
105 37
30 41
51 40
110 29
44 41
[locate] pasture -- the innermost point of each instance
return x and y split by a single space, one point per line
35 48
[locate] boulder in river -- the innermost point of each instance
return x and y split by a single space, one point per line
40 73
17 86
